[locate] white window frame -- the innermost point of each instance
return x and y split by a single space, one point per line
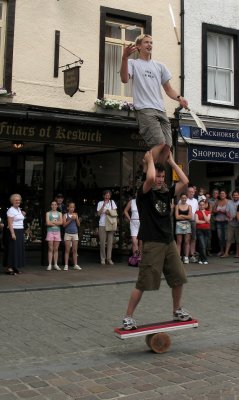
219 68
2 38
120 42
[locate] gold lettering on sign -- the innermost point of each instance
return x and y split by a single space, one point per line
78 135
16 130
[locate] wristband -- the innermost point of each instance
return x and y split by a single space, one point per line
178 97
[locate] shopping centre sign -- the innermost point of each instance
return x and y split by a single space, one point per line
210 153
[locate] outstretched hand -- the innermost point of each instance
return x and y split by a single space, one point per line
128 50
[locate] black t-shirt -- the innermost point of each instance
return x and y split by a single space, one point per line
154 212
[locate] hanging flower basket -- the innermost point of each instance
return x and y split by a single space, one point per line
114 107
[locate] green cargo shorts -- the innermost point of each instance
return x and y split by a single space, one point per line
154 127
160 258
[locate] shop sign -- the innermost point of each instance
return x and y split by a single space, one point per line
71 80
71 134
211 153
220 135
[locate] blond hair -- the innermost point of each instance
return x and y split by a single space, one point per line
140 38
13 196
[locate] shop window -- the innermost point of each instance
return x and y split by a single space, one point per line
65 174
118 28
220 60
3 7
118 35
32 198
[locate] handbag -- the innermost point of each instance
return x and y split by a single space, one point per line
133 260
111 220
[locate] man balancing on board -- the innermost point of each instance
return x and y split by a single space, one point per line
160 254
147 78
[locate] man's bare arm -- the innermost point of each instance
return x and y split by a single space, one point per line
174 95
150 174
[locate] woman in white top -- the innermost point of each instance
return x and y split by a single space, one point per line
16 249
105 236
133 219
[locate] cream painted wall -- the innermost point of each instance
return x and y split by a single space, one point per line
216 12
78 22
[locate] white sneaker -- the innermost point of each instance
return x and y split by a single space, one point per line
49 267
186 260
181 315
102 261
129 323
65 268
77 267
109 262
57 267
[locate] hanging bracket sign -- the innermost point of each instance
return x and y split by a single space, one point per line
71 80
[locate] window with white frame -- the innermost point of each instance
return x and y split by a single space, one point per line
117 35
117 29
3 7
220 68
220 71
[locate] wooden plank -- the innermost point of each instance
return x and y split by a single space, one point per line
148 329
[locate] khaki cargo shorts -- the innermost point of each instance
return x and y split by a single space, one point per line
160 258
154 127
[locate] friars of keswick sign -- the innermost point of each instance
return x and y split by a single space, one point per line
71 134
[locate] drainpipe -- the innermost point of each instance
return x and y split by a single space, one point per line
182 12
182 77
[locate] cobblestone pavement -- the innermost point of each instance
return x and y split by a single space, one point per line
59 344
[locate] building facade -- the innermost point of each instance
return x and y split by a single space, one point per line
210 55
53 137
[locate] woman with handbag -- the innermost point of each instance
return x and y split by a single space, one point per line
107 211
183 216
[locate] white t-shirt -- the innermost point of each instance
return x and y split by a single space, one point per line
147 78
17 216
109 206
194 204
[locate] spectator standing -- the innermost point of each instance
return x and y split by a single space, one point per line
106 237
53 223
214 237
62 208
202 219
16 246
183 216
134 225
191 201
233 224
71 224
220 215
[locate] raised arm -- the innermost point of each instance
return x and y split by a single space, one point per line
183 180
124 74
150 173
